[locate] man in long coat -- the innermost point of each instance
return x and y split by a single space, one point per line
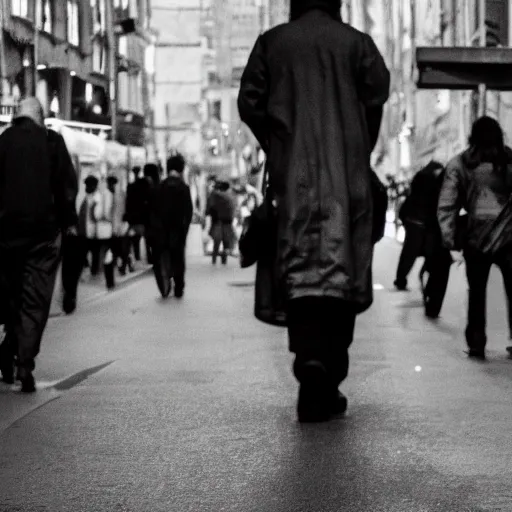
312 93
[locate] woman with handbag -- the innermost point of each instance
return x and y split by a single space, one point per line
313 93
479 180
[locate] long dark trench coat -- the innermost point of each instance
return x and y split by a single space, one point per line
303 94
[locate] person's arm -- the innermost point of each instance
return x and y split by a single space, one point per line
189 208
65 182
373 87
450 203
254 93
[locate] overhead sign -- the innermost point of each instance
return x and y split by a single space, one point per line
464 68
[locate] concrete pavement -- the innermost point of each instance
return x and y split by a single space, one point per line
190 406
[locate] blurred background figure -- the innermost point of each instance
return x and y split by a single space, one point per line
77 250
170 215
220 211
419 216
120 241
136 210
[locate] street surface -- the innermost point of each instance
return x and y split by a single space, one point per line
189 406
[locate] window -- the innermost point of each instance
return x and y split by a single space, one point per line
98 9
73 23
98 57
19 8
46 22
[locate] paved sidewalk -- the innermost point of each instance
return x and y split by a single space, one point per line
192 409
94 288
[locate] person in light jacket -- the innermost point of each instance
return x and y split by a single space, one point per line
479 180
120 227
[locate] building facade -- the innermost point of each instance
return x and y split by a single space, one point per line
57 50
279 12
64 52
421 125
135 76
178 76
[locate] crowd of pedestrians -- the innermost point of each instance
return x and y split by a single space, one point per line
317 208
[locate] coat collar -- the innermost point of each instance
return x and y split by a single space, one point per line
299 7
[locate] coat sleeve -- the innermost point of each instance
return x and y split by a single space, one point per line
450 203
374 76
189 208
65 183
254 92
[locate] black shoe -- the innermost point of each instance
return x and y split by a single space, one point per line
474 353
433 315
167 291
69 304
313 405
509 350
28 383
224 260
400 286
339 404
7 371
178 292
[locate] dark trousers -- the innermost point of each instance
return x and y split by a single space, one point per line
140 231
74 254
94 247
321 329
437 265
413 248
169 263
478 267
222 233
121 250
75 250
27 276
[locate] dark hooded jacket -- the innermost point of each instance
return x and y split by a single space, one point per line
304 94
38 183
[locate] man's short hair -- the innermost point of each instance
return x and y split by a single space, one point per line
176 163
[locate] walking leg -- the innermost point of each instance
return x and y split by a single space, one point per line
308 342
74 253
413 243
478 267
504 261
178 270
439 274
36 295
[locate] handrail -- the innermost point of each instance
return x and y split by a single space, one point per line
79 125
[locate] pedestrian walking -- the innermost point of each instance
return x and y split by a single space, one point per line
170 215
313 93
152 177
76 249
480 181
422 235
37 204
136 211
120 241
221 210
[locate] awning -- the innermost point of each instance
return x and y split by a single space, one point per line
116 154
137 156
88 147
464 68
